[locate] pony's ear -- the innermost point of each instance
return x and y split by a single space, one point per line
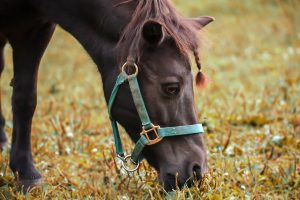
200 22
152 32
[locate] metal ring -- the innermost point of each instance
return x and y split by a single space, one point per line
132 65
121 157
126 168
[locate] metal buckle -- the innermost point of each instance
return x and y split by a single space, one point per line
124 161
154 130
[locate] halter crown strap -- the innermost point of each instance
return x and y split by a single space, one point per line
118 142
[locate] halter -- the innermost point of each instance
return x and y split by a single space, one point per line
151 134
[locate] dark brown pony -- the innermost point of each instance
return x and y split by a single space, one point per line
156 37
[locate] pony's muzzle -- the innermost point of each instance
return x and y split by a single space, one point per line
177 178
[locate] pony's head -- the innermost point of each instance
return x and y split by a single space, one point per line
159 41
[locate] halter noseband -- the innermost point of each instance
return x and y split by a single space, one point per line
147 127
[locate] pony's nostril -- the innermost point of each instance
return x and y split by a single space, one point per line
169 181
197 172
170 177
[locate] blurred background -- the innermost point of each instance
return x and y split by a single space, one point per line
250 109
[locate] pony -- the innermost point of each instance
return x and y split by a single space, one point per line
148 33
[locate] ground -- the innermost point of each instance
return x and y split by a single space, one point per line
251 113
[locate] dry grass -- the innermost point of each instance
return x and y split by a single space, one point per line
251 113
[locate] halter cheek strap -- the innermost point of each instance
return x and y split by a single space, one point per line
151 134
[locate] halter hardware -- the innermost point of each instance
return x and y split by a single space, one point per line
151 134
151 141
126 65
124 164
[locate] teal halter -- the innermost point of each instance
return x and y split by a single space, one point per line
147 127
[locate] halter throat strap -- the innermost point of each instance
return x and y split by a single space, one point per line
151 134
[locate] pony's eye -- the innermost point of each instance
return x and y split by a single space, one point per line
171 89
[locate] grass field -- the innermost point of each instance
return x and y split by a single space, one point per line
251 113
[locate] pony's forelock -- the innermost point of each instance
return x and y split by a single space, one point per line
184 34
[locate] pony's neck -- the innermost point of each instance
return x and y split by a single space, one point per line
96 24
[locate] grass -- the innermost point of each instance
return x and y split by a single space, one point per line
251 113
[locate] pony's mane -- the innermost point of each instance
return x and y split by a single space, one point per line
174 26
